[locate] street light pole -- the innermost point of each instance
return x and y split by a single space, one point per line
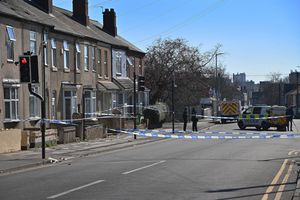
134 99
173 111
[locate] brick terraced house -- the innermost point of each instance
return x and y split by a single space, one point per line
85 67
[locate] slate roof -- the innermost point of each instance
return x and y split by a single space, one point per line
124 82
61 20
108 85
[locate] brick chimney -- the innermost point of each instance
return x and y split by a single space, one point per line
80 11
45 5
109 22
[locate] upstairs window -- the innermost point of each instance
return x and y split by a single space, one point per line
118 63
66 55
45 46
105 63
53 52
86 58
77 57
93 59
10 39
32 42
99 63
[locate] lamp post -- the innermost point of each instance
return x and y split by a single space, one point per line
134 100
217 82
173 111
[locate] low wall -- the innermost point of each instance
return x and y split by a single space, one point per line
66 134
94 132
10 140
35 137
117 123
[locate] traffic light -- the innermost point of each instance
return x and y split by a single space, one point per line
141 83
34 69
24 68
29 72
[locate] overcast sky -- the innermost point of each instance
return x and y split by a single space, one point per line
259 37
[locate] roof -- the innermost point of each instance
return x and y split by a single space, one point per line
125 83
61 20
107 85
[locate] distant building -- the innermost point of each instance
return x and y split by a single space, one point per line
239 78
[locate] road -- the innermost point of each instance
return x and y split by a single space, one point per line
169 169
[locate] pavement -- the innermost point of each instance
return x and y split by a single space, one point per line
23 160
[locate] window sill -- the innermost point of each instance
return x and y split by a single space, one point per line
10 61
86 70
106 77
67 70
99 76
34 118
54 69
11 121
78 71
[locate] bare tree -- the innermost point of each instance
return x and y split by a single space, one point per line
190 67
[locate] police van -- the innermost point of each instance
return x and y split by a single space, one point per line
263 117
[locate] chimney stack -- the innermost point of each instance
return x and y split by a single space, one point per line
45 5
109 22
80 11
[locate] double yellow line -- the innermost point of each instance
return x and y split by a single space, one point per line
276 179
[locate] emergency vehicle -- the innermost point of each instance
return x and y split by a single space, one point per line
229 109
263 117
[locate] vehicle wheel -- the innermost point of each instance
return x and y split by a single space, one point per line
241 125
265 126
258 128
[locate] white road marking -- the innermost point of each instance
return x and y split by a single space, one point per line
147 166
74 189
291 153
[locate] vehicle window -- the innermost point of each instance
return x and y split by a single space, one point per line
256 110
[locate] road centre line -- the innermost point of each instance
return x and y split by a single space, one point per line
275 180
75 189
147 166
283 184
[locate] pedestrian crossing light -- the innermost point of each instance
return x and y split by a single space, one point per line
141 83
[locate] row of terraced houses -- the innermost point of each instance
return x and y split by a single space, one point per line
84 66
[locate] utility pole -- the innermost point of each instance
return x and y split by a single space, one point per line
134 100
173 111
217 86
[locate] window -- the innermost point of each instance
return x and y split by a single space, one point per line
105 63
99 62
53 52
45 46
34 104
70 102
118 63
66 55
90 103
53 103
93 59
140 67
77 57
11 101
86 58
10 39
32 42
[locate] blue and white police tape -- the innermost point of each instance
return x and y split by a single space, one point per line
147 133
236 118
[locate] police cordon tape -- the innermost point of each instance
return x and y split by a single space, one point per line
167 134
236 118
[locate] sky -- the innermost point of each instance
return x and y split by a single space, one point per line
258 37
